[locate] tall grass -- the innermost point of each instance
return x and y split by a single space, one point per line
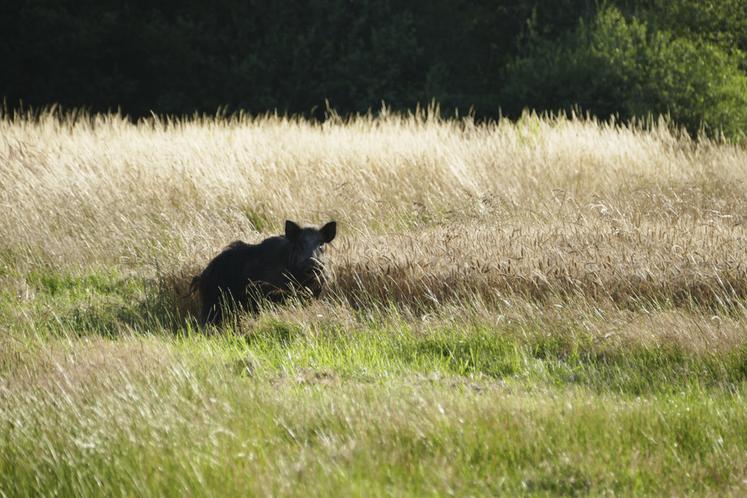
552 306
429 208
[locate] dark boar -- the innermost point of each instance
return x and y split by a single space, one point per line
244 274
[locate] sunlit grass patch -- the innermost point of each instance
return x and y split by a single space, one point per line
214 430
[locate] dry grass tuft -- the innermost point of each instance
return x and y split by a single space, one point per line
73 369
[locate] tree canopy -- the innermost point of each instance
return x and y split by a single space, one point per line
627 58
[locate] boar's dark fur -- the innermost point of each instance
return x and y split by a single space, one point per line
244 274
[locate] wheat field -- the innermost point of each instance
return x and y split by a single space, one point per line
551 306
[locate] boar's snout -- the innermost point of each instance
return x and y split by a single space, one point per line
314 277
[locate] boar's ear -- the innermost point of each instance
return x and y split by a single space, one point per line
292 230
329 231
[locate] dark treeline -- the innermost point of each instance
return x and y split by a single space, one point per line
624 57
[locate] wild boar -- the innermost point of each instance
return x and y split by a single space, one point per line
242 275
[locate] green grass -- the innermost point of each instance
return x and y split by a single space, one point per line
102 395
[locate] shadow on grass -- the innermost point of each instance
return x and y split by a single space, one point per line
492 355
109 304
363 286
167 304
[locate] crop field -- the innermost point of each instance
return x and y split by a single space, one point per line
553 306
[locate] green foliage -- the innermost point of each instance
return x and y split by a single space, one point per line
625 57
721 22
615 66
696 83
